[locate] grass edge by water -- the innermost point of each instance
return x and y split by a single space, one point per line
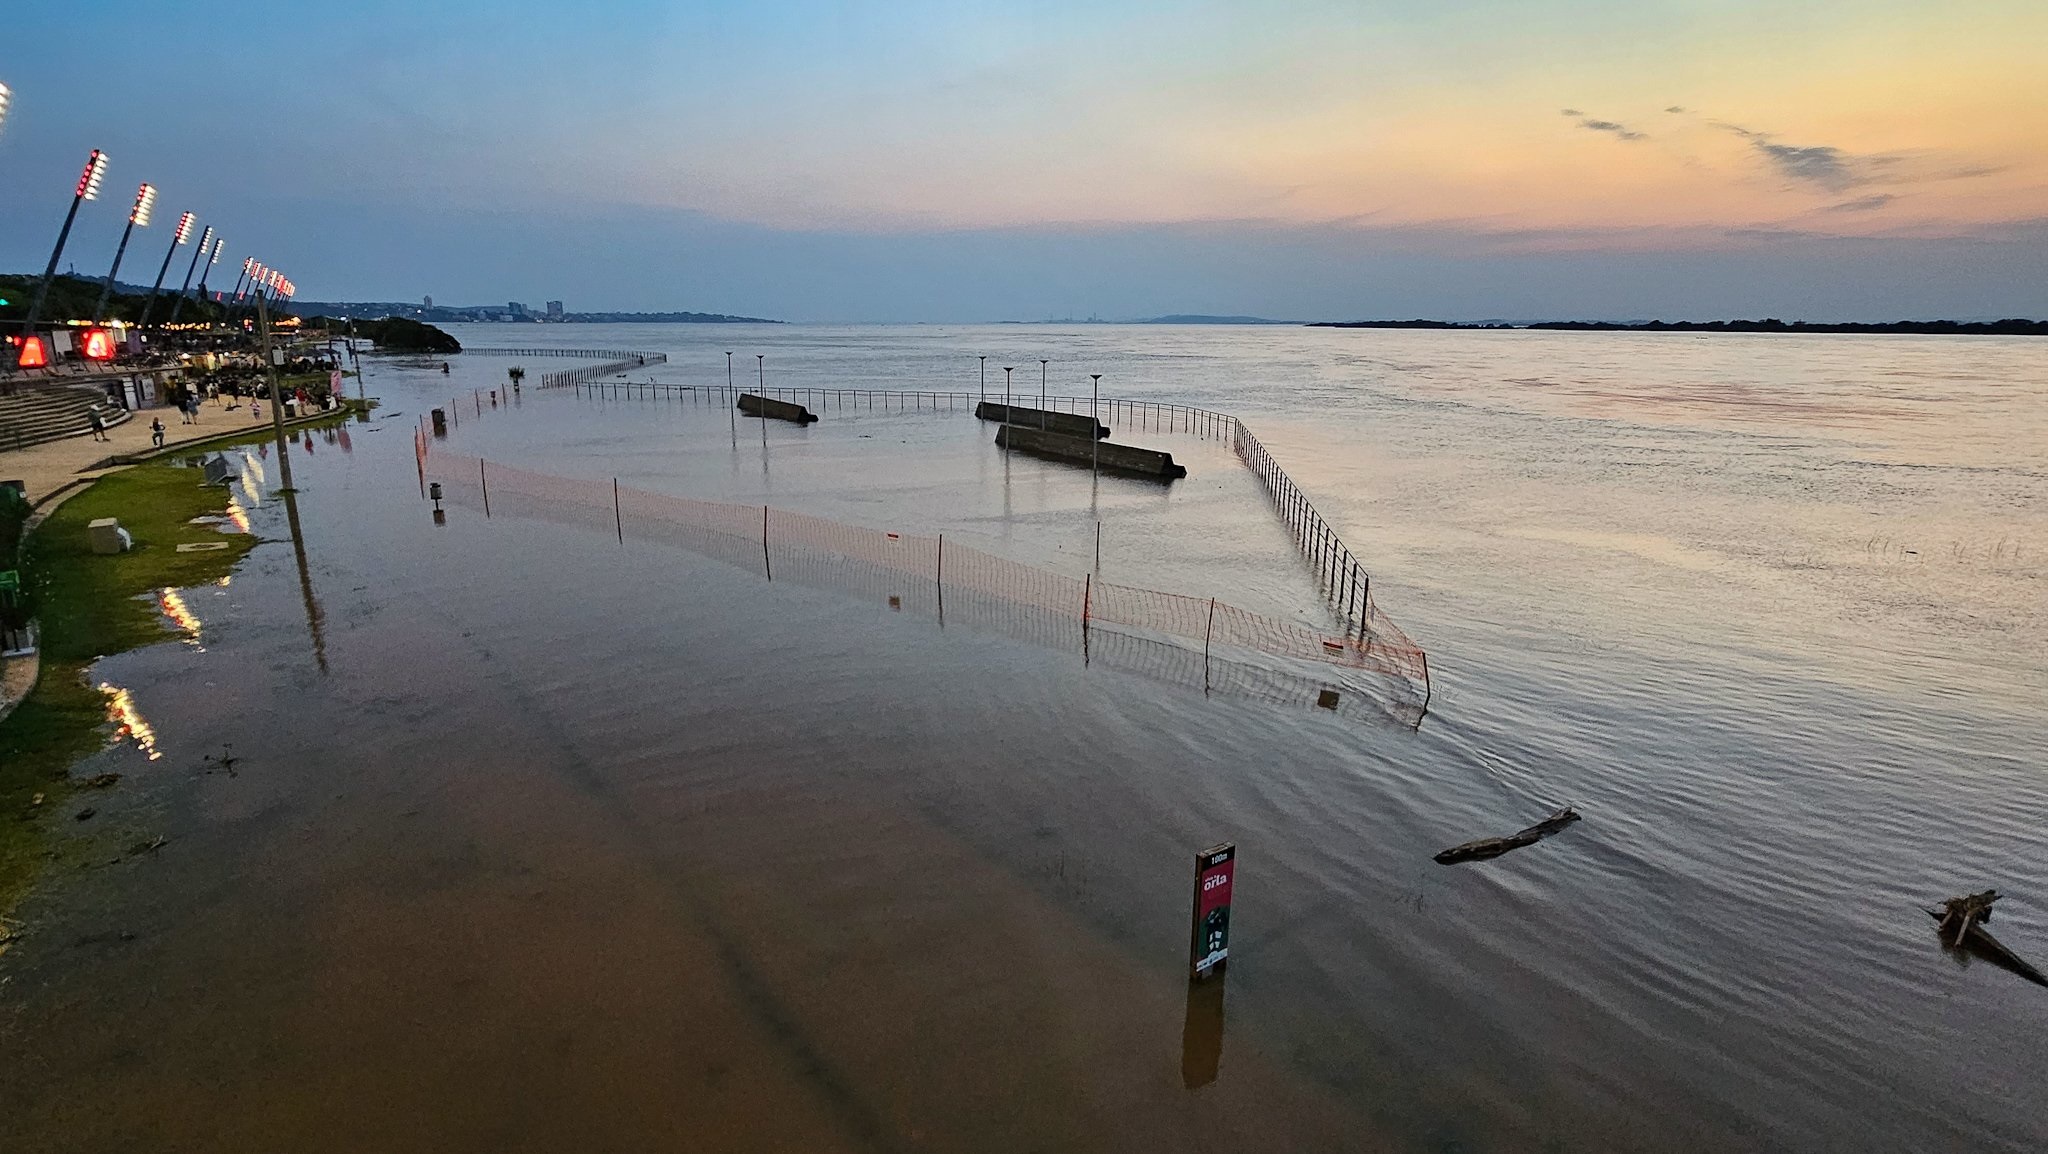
89 607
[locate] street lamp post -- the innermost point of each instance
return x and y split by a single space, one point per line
761 387
984 380
732 405
182 235
178 306
88 189
1042 418
138 217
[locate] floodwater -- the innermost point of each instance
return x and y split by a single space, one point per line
537 839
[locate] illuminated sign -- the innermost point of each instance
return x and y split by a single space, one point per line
96 345
1215 878
33 354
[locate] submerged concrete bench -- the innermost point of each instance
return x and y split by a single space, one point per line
754 406
1126 459
1072 424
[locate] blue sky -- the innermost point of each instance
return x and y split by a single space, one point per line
963 161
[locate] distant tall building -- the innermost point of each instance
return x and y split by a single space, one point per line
429 301
516 309
554 310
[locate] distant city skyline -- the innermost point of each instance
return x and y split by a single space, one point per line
1844 159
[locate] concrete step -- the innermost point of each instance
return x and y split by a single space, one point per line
51 413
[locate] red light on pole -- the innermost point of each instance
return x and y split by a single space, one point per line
145 203
33 354
89 180
96 345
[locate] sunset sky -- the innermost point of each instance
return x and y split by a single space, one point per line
965 161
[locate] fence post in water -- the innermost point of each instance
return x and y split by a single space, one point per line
486 483
1087 596
618 522
1206 635
1365 606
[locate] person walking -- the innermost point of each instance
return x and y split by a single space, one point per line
99 425
192 404
184 410
156 431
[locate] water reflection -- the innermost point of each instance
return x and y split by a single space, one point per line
316 618
129 721
172 604
238 515
1201 1033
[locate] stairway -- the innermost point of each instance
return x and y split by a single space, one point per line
40 413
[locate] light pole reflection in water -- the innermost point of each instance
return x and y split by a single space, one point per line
316 618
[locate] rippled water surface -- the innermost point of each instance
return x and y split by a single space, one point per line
546 840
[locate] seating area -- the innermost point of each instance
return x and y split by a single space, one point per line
34 414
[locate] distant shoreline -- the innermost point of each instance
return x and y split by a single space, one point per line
2014 327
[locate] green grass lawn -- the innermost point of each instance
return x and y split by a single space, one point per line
91 606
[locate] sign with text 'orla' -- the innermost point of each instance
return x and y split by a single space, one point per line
1215 878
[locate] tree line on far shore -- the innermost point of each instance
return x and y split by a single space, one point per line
391 334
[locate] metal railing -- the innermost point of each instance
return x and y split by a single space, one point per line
586 354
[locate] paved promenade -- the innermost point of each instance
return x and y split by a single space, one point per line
50 466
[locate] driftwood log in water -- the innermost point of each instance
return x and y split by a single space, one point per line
1962 927
1487 848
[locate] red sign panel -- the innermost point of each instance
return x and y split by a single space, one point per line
33 354
96 345
1215 879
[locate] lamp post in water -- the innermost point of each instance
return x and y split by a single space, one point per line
88 189
1042 418
181 235
984 381
761 388
138 217
1095 415
732 405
